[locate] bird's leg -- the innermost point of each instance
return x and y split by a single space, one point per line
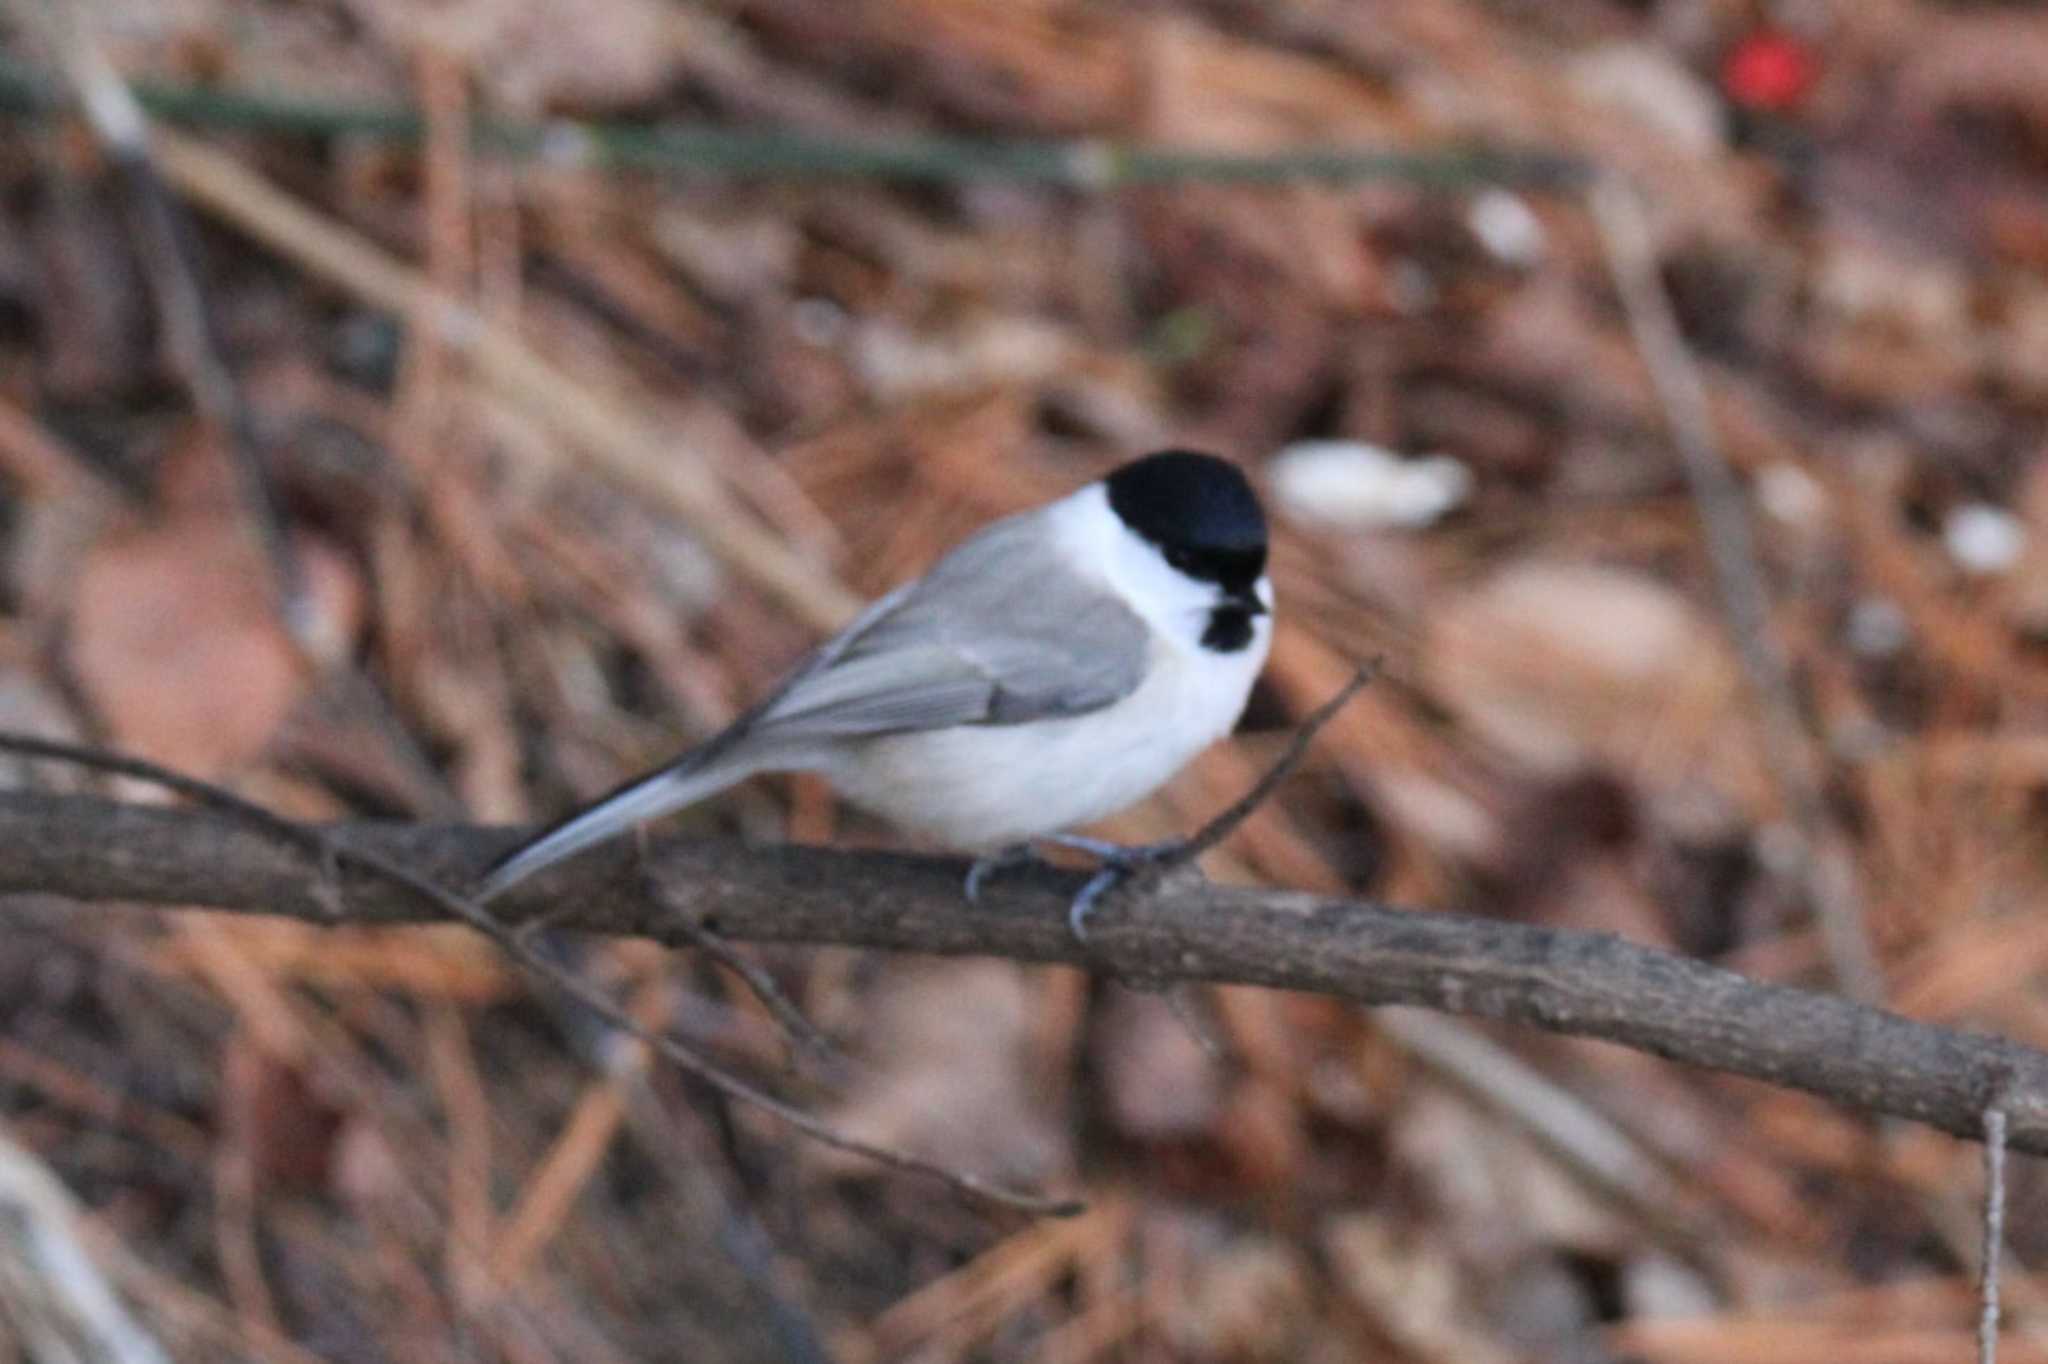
1002 859
1120 862
1103 850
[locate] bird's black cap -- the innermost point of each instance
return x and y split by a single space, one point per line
1200 511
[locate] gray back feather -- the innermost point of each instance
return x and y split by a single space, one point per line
998 633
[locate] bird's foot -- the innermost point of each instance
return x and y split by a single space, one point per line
1120 863
1001 860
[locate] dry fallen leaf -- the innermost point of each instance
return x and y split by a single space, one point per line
950 1047
174 640
281 1124
1569 666
1158 1080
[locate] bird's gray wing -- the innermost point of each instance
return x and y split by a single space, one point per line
999 632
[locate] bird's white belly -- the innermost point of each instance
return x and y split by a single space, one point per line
986 786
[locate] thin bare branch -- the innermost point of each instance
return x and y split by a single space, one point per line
1789 747
189 326
325 856
1091 165
761 985
1225 824
1994 1233
1577 983
53 1293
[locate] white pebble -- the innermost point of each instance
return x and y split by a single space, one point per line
1351 485
1789 494
1661 1287
1506 225
1983 538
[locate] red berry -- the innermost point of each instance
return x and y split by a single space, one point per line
1770 71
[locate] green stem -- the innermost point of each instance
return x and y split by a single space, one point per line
696 149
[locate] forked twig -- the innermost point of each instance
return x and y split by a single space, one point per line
1143 869
759 983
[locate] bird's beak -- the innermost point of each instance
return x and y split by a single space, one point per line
1248 599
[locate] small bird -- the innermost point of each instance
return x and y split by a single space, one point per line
1054 668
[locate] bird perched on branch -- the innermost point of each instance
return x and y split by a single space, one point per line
1052 669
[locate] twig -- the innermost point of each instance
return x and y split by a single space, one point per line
740 1234
691 149
56 1302
141 769
329 852
562 1172
702 1067
1585 1140
1142 870
1182 1006
193 334
761 985
236 1199
189 326
1829 874
1581 984
1994 1233
576 1152
46 466
188 1313
616 438
1212 834
1147 867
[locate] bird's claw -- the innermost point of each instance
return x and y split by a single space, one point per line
1119 864
1003 859
1098 885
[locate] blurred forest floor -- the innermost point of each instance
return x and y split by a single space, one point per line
745 400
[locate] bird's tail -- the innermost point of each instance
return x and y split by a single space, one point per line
696 777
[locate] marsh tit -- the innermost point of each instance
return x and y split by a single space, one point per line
1054 668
